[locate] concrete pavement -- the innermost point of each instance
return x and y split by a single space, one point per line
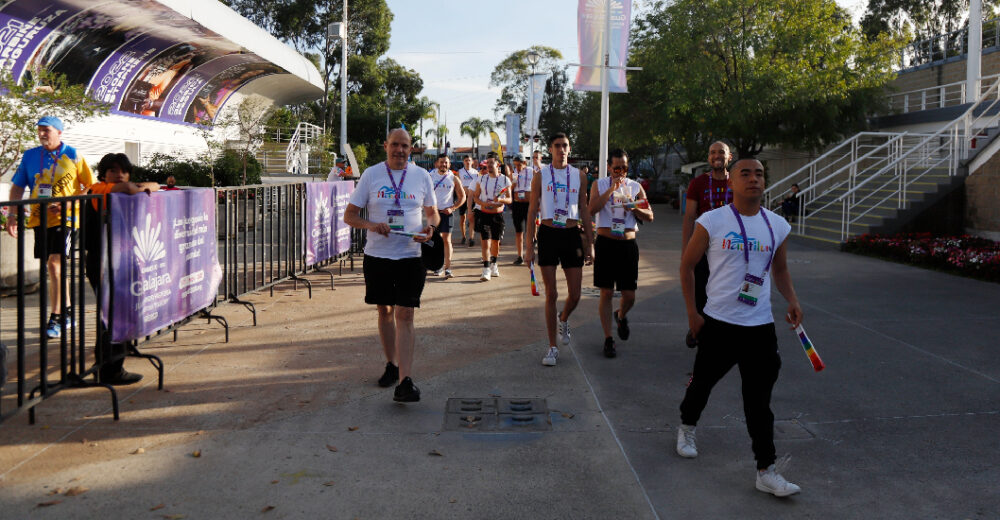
288 423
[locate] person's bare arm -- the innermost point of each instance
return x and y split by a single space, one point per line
352 217
783 282
132 188
459 194
16 193
643 214
536 189
597 200
689 258
588 223
433 221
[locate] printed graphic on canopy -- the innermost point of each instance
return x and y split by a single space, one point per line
132 54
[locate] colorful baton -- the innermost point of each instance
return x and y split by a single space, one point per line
534 288
807 345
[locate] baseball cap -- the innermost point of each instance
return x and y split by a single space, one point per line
52 121
519 158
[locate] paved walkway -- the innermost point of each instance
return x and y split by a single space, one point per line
288 423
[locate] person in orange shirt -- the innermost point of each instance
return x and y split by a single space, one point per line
113 173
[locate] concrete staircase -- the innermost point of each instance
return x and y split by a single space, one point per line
272 157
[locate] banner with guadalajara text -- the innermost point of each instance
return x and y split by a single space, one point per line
591 20
164 259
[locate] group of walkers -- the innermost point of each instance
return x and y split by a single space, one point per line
731 245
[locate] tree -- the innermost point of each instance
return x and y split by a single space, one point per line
756 72
21 106
247 123
475 127
919 19
439 132
511 75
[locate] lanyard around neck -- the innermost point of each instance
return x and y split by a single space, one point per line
55 158
438 183
746 241
396 189
555 198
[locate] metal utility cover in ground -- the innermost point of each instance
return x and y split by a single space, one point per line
478 414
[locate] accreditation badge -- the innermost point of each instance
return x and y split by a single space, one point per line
618 227
750 290
521 195
560 218
395 219
44 190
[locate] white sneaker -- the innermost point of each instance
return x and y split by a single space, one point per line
550 357
686 442
770 481
495 270
439 272
485 277
448 274
564 333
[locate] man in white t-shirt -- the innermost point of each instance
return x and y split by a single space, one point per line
521 178
491 194
468 177
745 245
450 196
398 196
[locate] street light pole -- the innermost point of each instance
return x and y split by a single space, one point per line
533 58
343 86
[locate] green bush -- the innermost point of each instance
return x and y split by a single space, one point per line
228 170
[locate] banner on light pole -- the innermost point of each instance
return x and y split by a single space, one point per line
591 23
513 134
536 91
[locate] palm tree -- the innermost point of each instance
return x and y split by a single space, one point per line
475 127
425 107
439 132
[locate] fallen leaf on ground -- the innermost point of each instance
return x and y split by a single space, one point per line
196 453
568 415
275 481
157 507
46 427
331 448
328 484
138 451
435 453
452 501
77 490
49 503
266 509
352 428
83 441
173 517
56 491
93 445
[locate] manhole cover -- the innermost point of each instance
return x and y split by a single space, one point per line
477 414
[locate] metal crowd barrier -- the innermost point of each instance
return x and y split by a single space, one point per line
45 370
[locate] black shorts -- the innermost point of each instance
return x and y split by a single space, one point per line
560 246
464 209
519 212
394 282
489 225
616 264
445 225
58 241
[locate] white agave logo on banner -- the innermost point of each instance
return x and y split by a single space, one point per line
595 8
323 211
148 247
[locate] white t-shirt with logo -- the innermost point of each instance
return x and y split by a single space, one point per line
549 203
468 177
375 192
728 266
522 183
444 188
492 189
628 192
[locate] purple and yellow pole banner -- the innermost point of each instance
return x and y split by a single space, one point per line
811 353
164 259
326 233
591 24
513 131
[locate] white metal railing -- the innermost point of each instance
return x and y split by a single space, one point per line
943 46
940 96
305 135
909 158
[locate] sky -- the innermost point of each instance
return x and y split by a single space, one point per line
447 43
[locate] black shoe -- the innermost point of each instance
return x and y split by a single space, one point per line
691 341
609 348
462 242
406 392
472 242
519 261
390 376
623 330
121 378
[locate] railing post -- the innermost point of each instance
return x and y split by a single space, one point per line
923 100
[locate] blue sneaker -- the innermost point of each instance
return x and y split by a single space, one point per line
54 329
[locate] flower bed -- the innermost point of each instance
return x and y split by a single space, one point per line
964 255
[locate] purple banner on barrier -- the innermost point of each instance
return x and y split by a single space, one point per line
24 24
326 233
116 73
164 259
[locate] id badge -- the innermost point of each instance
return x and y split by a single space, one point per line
618 227
559 218
521 195
750 290
395 219
44 190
